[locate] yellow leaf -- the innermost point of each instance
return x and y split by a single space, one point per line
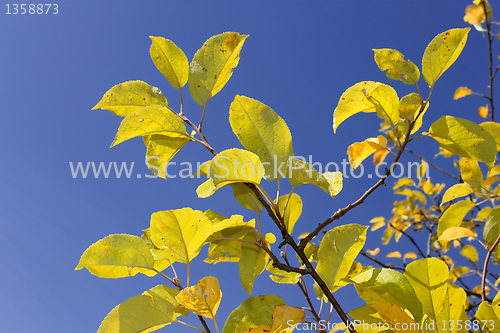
293 206
285 316
442 52
398 68
117 256
456 272
150 120
380 156
364 97
453 217
396 317
303 173
213 65
490 180
483 213
483 111
203 299
409 107
474 14
261 131
373 252
260 329
160 150
410 255
359 151
494 129
478 289
456 191
470 172
170 61
394 254
455 233
461 92
377 225
130 96
470 253
465 138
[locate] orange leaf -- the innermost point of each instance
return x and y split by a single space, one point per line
373 252
474 14
461 92
483 111
394 254
410 255
379 156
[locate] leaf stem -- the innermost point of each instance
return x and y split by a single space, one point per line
485 268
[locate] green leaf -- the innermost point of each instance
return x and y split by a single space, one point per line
303 173
367 315
139 314
490 316
442 52
338 249
261 131
388 286
130 96
293 205
456 191
180 233
281 276
470 253
492 227
213 65
117 256
464 138
364 97
150 120
428 278
398 68
160 150
470 172
253 312
453 217
170 61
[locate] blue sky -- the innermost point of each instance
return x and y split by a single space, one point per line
299 58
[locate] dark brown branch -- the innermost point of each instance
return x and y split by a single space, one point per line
490 53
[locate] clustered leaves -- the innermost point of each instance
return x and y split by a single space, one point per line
422 294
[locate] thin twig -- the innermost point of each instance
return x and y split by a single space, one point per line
363 253
485 268
433 165
410 238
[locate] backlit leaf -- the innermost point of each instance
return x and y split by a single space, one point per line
170 61
398 68
235 166
353 101
474 14
453 217
470 172
246 197
180 233
285 316
261 131
452 310
456 272
117 256
409 107
494 129
303 173
203 298
386 100
442 52
253 312
359 151
429 280
130 96
396 317
223 247
161 149
338 249
253 261
456 191
139 314
461 92
456 233
213 65
387 286
373 252
470 253
410 255
491 229
394 254
464 138
483 112
293 205
155 119
368 316
281 276
490 315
